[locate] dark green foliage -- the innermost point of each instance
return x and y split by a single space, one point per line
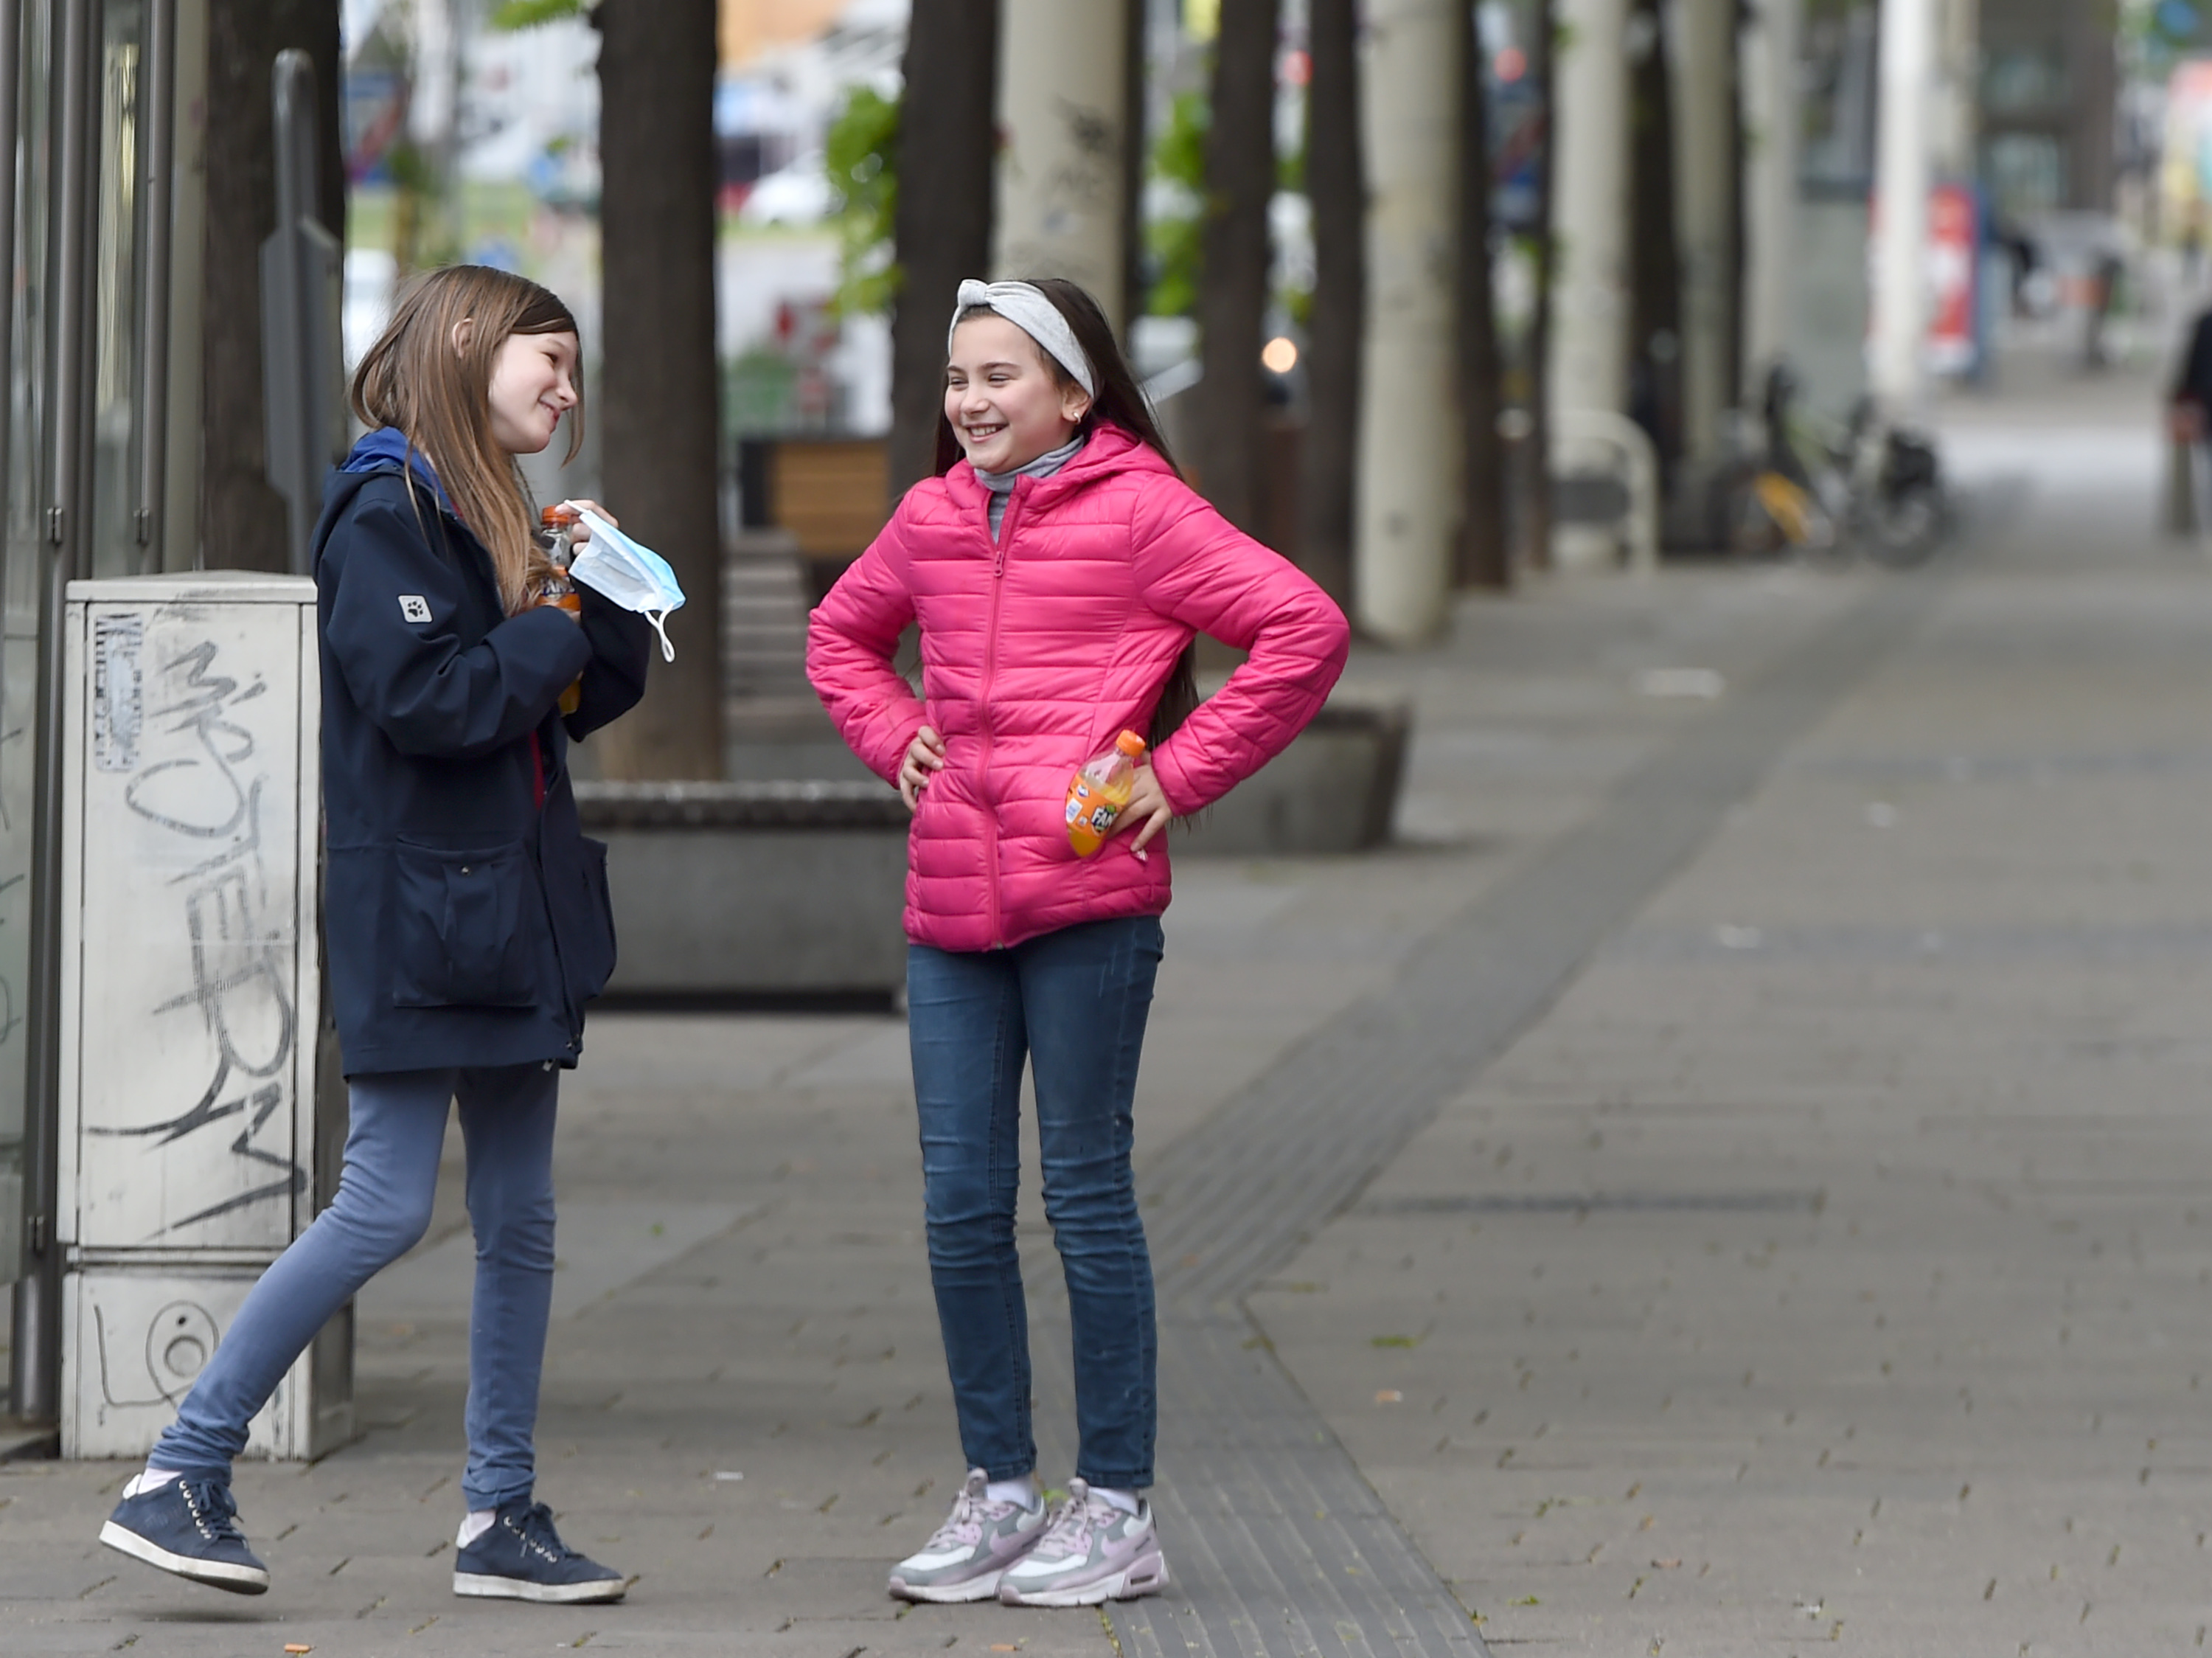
860 155
1174 240
528 14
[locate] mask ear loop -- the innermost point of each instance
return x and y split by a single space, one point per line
659 617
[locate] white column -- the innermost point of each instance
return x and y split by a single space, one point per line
1901 181
1770 48
1589 208
1409 491
1062 93
1704 162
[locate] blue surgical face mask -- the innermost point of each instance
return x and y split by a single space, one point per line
634 576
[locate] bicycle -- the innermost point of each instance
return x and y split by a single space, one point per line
1862 488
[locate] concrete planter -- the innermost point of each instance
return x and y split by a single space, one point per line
766 889
753 889
1334 789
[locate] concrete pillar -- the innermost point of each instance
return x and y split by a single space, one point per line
1589 208
1772 42
1702 42
1063 92
1904 77
1409 494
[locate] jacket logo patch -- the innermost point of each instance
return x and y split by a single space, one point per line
414 606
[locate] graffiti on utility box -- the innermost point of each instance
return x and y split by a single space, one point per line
191 932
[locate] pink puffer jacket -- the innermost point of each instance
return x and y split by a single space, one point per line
1035 652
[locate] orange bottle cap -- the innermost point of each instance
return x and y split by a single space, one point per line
550 516
1130 744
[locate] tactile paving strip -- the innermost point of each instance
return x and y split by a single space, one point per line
1279 1546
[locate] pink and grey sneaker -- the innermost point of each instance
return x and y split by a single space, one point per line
979 1540
1091 1552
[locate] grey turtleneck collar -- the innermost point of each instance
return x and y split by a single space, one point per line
1001 485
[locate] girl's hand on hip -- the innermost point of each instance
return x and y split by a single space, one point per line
924 755
1148 812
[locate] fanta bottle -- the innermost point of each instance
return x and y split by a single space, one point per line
555 523
1097 794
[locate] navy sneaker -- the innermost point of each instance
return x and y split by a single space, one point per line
522 1557
188 1527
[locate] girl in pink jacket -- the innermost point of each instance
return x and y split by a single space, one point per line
1059 568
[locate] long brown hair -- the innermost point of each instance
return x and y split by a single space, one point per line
1120 401
414 378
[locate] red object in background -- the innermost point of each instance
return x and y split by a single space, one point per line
1510 65
1952 343
1955 242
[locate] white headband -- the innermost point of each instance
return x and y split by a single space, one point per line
1025 306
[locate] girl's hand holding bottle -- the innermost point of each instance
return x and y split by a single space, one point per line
924 755
1148 812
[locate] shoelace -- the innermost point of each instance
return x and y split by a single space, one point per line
1068 1534
964 1525
213 1509
534 1530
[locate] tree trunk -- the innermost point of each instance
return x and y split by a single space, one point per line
947 137
659 411
1336 187
1136 149
243 521
1536 459
1485 556
1232 295
1655 267
1735 345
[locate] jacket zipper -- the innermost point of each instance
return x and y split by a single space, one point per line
983 695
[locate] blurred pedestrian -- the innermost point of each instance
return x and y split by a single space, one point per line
1059 568
465 914
2189 426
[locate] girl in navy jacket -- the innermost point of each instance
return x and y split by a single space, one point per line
465 915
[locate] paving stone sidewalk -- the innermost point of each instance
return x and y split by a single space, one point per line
1823 1267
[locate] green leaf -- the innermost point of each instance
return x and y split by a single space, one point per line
861 155
1395 1341
512 14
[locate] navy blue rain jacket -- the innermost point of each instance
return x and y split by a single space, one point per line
467 924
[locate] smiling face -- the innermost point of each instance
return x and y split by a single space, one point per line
1005 403
534 384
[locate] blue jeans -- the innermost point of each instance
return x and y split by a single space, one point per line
1073 1003
382 1209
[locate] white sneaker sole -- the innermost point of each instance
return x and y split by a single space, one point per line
1145 1577
215 1574
984 1587
483 1585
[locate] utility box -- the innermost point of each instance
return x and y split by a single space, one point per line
190 998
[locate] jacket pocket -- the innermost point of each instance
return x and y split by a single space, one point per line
468 928
595 950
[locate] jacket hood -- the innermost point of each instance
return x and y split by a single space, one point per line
386 450
1109 451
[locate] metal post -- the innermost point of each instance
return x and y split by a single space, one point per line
1770 52
299 265
1901 181
159 127
11 74
1704 195
35 1361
